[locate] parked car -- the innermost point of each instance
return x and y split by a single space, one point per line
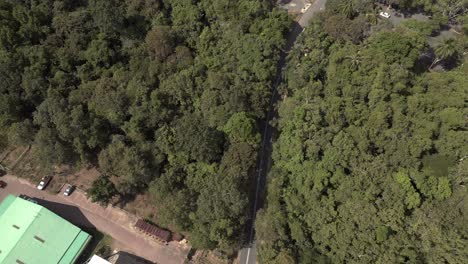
69 190
45 180
306 6
3 184
27 198
384 14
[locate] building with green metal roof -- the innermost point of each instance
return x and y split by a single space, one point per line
31 234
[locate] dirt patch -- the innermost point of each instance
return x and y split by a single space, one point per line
142 207
11 156
118 246
5 152
84 178
208 257
28 167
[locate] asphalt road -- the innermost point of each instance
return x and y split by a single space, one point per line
248 254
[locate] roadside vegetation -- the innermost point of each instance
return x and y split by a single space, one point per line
100 244
164 98
370 165
162 95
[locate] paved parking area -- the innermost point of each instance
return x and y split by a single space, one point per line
293 6
396 18
80 211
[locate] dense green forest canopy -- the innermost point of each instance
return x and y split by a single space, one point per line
163 95
370 165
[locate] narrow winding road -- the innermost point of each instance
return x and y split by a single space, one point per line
248 255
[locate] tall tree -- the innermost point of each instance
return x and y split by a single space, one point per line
446 50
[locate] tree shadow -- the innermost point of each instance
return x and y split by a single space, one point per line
89 251
422 64
283 2
438 32
450 63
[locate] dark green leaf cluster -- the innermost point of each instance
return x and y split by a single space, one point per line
370 165
163 94
103 190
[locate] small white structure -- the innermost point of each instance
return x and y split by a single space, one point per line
384 14
98 260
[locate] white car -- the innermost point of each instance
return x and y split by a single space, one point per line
69 190
306 6
44 181
384 14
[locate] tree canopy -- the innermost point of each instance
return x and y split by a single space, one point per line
162 95
369 163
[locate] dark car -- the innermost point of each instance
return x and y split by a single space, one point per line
3 184
27 198
45 180
69 190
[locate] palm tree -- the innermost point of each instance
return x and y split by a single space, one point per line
372 16
355 60
346 8
445 50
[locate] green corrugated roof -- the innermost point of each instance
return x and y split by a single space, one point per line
6 203
75 248
31 234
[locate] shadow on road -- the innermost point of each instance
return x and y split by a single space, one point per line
68 212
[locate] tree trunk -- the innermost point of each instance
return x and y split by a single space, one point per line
434 62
